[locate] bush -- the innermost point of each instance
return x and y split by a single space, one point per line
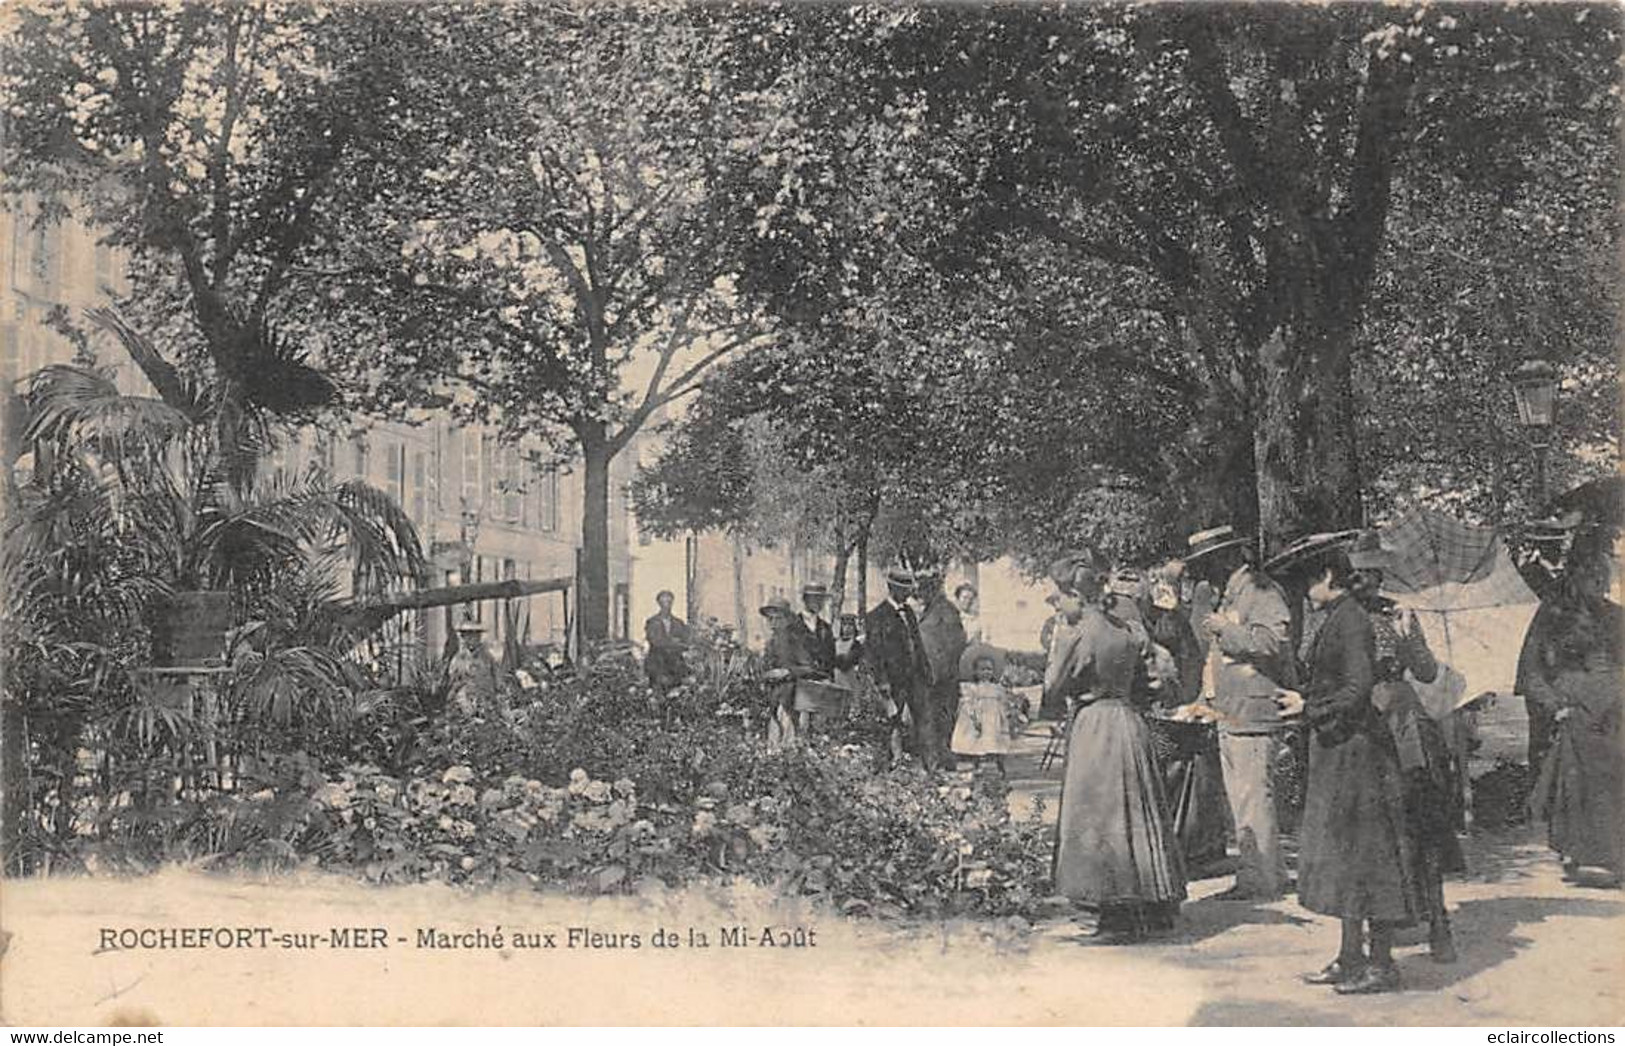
600 786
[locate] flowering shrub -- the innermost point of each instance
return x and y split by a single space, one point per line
600 785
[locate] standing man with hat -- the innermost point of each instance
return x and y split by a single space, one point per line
896 654
814 632
476 682
1248 639
667 636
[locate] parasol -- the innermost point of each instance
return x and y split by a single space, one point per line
1473 605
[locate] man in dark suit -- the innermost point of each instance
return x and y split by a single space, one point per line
814 632
897 657
667 637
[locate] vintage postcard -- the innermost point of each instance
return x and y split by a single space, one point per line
774 513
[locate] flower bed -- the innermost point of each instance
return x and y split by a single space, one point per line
599 785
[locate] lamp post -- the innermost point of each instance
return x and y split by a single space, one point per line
1534 387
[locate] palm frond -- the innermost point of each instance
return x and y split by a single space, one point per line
292 684
176 389
381 537
277 376
81 408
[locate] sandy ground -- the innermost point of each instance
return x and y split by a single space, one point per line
1534 951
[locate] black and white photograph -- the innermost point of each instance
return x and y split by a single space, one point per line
776 513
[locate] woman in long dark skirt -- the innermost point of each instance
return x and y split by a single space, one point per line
1354 860
1188 752
1115 847
1581 789
1432 791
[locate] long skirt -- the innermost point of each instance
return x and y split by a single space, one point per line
1194 785
1355 860
1116 843
1579 794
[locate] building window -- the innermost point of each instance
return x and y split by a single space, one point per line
420 489
358 458
513 497
472 454
476 609
438 480
506 494
395 473
498 482
41 254
547 499
104 269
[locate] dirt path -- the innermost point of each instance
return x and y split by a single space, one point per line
1534 951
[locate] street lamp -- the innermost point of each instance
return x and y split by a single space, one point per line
1534 386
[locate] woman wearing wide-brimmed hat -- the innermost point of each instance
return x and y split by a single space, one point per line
1580 793
1432 791
1354 858
785 659
1115 847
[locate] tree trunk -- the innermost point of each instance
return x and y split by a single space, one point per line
837 594
741 622
1304 436
862 553
594 580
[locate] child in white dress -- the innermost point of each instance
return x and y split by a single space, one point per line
985 726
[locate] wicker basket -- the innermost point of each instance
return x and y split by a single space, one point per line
822 698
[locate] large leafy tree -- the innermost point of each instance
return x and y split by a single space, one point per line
553 267
1246 161
1231 168
207 139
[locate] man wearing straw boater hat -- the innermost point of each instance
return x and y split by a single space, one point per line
1248 658
811 627
896 654
475 683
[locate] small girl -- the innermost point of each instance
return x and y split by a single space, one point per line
984 726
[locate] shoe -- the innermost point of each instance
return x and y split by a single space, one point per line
1373 980
1442 946
1335 972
